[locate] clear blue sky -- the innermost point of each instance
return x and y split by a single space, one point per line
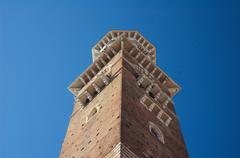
45 45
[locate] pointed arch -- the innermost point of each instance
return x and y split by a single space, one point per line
155 131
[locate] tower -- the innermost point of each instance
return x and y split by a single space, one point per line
123 104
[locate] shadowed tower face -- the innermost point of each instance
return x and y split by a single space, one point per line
123 104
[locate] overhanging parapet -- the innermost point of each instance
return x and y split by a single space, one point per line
135 37
142 60
97 66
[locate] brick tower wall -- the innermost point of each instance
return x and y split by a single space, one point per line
98 135
135 132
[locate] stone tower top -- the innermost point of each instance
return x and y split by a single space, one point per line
135 45
134 36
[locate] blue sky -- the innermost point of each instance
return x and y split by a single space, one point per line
45 45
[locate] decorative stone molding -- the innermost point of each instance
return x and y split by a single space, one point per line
155 131
150 105
164 117
120 150
146 101
93 112
153 90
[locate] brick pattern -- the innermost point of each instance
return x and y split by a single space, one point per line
95 129
135 125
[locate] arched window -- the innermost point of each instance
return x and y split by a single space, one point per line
156 132
92 113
